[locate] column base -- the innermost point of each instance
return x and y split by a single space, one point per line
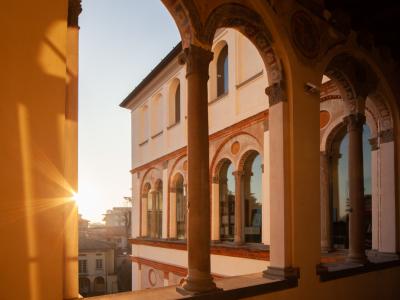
327 249
357 259
377 256
201 284
282 273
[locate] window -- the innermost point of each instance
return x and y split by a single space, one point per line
154 211
83 266
156 115
222 72
174 106
181 207
178 104
99 264
144 124
227 201
252 198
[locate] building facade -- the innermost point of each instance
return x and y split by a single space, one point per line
239 168
238 137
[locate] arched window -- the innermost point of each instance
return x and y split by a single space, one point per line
181 207
252 186
144 124
99 285
156 115
178 103
154 211
222 72
227 201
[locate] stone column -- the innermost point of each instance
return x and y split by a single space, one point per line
326 203
239 235
153 218
280 250
172 212
355 124
143 215
198 279
375 193
71 285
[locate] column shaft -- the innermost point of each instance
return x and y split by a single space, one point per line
355 124
199 277
326 203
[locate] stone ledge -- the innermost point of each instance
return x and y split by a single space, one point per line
332 271
232 288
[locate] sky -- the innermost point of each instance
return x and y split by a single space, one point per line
120 42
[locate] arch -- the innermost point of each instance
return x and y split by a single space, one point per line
84 286
226 200
250 166
99 285
251 25
247 141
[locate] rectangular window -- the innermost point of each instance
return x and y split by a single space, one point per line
83 266
99 264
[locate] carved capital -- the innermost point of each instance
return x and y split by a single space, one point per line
354 122
74 10
215 179
276 93
386 136
197 60
238 174
374 143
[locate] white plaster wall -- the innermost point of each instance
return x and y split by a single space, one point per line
220 265
240 102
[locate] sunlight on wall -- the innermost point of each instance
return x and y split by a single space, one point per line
50 56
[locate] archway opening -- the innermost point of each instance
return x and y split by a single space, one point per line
227 201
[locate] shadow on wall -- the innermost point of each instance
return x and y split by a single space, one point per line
35 194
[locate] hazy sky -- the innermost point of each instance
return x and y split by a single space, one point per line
120 42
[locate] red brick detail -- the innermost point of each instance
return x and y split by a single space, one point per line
224 132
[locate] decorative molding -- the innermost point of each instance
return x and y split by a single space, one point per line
218 98
143 143
374 143
276 93
305 34
235 147
386 136
173 125
74 10
251 78
157 134
330 97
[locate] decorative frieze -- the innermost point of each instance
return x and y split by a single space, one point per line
386 136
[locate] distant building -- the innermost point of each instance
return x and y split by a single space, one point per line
113 235
97 272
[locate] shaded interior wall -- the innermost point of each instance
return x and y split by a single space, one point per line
382 285
32 113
